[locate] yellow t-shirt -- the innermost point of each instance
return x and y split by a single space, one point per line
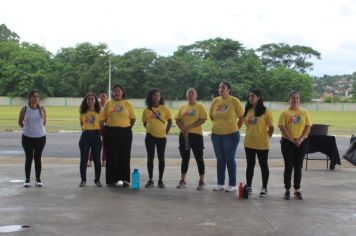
118 113
257 129
154 126
90 120
189 114
295 121
225 113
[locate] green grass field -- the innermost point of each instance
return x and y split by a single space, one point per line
67 119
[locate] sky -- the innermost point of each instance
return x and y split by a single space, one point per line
327 26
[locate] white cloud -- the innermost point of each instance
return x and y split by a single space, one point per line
163 25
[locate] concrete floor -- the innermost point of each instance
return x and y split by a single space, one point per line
62 208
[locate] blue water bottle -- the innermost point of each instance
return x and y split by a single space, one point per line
135 179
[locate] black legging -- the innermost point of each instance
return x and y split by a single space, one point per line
118 142
160 143
196 143
293 159
262 156
33 148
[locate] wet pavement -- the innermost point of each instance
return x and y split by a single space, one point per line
62 208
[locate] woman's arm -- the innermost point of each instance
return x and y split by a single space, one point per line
304 135
132 122
21 117
270 131
169 125
286 134
44 116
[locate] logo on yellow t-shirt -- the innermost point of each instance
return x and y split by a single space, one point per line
294 119
117 108
252 120
155 115
189 113
89 119
222 107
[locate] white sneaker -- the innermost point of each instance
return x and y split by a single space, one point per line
231 189
38 183
218 188
27 184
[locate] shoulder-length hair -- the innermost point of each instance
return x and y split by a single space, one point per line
260 108
149 100
120 87
84 105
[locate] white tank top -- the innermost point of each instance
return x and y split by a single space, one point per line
33 123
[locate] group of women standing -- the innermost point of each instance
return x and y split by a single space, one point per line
115 120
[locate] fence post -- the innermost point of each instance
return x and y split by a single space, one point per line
65 102
10 101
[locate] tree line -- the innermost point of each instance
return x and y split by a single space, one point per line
275 68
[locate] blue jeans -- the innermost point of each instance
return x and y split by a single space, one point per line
90 139
225 150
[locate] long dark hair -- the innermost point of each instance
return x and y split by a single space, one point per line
120 87
260 108
84 105
39 107
149 95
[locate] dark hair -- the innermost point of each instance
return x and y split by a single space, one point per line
29 95
84 105
120 87
102 91
227 84
260 108
149 95
291 93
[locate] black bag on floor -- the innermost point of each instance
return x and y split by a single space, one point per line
350 154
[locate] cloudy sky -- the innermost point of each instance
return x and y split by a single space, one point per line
327 26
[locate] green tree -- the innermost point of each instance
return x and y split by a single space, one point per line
80 70
23 67
283 80
219 59
7 35
295 57
132 71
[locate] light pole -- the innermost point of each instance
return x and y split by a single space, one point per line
109 92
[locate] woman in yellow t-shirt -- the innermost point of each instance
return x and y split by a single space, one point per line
157 120
190 118
103 97
294 124
259 130
119 118
226 112
90 121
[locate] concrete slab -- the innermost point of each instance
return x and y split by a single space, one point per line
62 208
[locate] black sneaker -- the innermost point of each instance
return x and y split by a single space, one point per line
161 184
27 184
287 195
111 185
83 184
263 192
149 184
298 195
98 183
125 184
38 183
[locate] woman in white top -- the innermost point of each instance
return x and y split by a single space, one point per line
32 120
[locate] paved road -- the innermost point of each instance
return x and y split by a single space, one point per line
66 145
